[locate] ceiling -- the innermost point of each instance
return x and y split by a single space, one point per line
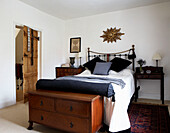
69 9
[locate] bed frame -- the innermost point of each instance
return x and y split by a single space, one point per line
108 56
126 54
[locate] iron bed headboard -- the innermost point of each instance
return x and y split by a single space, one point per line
126 54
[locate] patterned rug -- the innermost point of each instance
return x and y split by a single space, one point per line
147 118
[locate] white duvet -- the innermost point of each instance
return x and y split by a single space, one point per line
115 113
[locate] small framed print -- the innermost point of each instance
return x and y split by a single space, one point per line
75 45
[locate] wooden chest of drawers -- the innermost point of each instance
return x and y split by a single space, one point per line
71 112
66 71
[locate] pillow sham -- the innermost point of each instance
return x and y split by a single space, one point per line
91 64
111 72
102 68
119 64
125 71
84 73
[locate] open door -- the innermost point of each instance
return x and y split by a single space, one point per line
30 60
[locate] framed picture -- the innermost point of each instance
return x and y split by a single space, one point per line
75 45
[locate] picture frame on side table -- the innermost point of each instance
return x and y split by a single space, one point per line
75 45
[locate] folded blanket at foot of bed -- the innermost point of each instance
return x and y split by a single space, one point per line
103 89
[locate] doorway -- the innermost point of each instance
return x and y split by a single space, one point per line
27 62
19 63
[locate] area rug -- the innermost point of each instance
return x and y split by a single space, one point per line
147 118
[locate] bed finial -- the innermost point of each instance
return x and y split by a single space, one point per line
88 49
88 53
133 47
133 60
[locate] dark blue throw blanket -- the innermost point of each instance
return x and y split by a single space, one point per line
70 84
94 79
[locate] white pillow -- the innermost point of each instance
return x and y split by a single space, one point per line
111 72
126 72
123 72
85 72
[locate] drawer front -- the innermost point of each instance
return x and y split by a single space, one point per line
142 76
68 72
149 76
62 71
73 107
60 121
154 76
40 102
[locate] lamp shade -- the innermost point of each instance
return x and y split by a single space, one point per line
156 57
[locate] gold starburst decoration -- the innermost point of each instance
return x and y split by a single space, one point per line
111 35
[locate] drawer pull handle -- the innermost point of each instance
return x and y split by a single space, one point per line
71 125
71 108
42 118
41 104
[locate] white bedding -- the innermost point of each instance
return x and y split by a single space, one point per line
115 113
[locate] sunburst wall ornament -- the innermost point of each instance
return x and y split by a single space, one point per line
111 35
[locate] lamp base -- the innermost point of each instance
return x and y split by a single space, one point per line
72 61
156 63
157 70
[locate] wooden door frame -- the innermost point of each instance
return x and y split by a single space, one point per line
39 54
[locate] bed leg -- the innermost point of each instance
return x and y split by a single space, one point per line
30 125
102 129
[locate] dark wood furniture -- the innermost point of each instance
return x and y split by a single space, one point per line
154 73
66 71
70 112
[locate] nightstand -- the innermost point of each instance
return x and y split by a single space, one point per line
150 72
67 71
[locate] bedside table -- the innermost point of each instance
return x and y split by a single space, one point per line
150 72
67 71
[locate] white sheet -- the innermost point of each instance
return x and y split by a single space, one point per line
115 113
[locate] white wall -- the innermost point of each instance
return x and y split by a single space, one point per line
146 27
15 12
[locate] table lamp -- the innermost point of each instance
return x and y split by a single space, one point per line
156 57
